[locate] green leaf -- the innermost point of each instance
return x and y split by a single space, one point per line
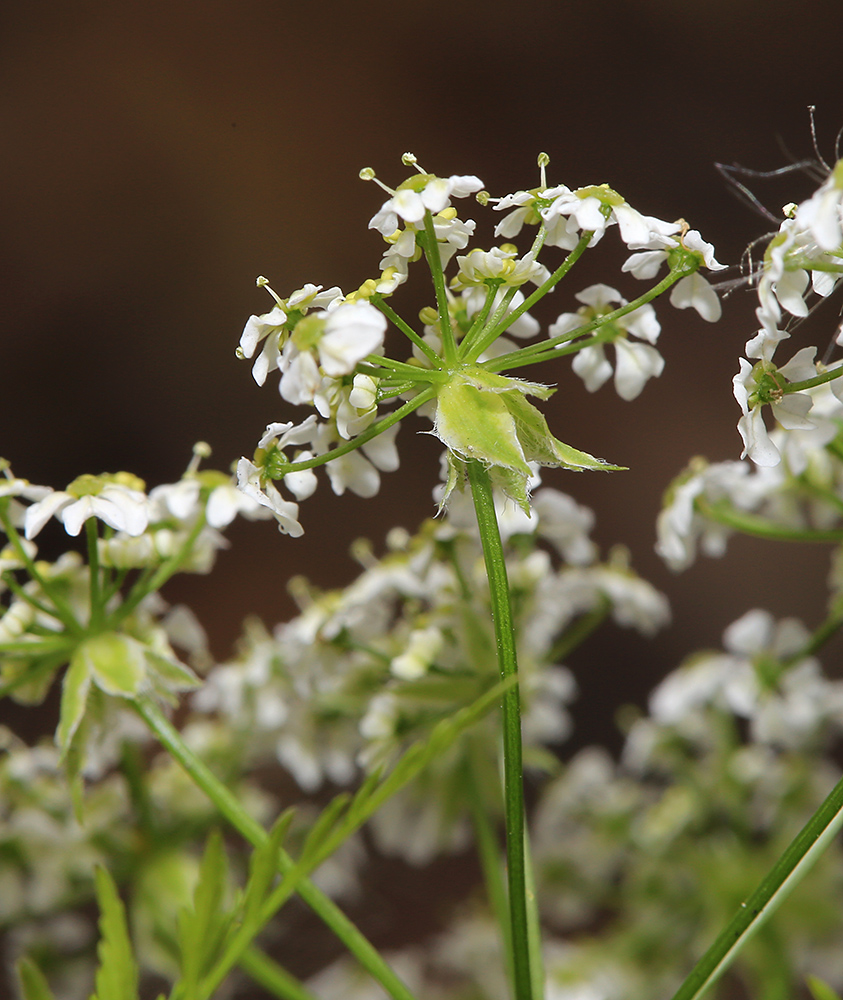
117 976
819 989
116 663
33 983
74 697
263 867
203 929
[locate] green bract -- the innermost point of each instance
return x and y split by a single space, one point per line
485 416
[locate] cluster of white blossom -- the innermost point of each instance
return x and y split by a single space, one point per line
639 861
360 673
807 250
327 345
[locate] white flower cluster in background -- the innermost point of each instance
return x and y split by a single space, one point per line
805 258
712 782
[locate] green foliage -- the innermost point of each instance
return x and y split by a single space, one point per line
34 985
117 976
821 990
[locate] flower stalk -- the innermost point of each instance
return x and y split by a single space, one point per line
484 507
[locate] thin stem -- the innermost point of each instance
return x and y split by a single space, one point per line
479 323
544 350
62 609
272 977
430 245
484 506
148 584
371 432
761 527
232 810
810 383
406 329
94 572
489 853
539 293
785 875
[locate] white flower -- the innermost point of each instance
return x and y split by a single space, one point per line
501 264
566 524
523 205
694 290
119 503
328 344
285 512
790 409
358 470
409 204
422 648
11 486
597 207
352 330
635 363
822 214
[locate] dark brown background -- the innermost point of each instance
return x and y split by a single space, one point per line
156 157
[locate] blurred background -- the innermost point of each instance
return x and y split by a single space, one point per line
156 157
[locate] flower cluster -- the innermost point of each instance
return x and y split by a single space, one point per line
361 673
807 250
328 345
117 640
626 852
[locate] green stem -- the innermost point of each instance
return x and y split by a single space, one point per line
543 351
484 506
406 329
269 974
325 909
94 573
761 527
430 245
785 875
371 432
539 293
62 609
489 853
810 383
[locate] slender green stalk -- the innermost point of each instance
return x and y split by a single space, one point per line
484 506
269 974
785 875
363 438
234 812
405 328
560 272
94 571
488 850
761 527
430 245
61 609
546 350
534 930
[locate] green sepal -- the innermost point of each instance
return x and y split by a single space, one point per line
176 676
117 975
33 983
486 417
477 424
541 446
116 663
74 699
